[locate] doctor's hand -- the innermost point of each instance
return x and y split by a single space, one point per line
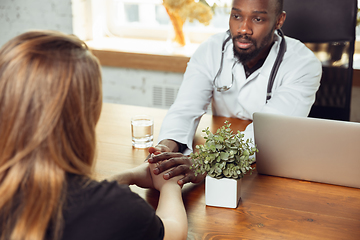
174 164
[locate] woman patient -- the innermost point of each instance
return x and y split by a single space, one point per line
50 102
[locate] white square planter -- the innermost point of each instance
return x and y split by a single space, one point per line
222 192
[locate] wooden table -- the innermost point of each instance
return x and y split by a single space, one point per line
270 207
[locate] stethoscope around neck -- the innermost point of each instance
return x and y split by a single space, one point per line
272 74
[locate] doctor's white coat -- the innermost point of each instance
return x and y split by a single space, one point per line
293 92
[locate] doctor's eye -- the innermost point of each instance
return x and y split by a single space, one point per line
235 16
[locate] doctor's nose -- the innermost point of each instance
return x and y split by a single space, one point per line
245 28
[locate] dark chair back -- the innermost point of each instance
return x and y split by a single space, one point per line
328 28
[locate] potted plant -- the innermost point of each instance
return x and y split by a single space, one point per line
225 157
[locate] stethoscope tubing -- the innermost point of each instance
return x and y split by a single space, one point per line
273 73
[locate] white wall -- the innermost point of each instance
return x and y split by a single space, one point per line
18 16
140 87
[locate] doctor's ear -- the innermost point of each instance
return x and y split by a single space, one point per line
280 20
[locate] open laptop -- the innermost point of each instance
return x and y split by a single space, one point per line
312 149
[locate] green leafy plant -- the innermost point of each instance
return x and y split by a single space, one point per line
224 154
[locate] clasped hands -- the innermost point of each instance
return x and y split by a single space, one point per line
162 167
172 165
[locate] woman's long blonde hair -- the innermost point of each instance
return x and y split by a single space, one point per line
50 102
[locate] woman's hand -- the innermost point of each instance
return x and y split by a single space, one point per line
170 207
139 176
159 181
160 148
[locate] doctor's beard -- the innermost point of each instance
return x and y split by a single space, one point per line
243 55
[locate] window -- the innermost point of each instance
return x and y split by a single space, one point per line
149 19
146 19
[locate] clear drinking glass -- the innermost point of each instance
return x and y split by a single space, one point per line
142 131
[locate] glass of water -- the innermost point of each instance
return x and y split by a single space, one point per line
142 131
